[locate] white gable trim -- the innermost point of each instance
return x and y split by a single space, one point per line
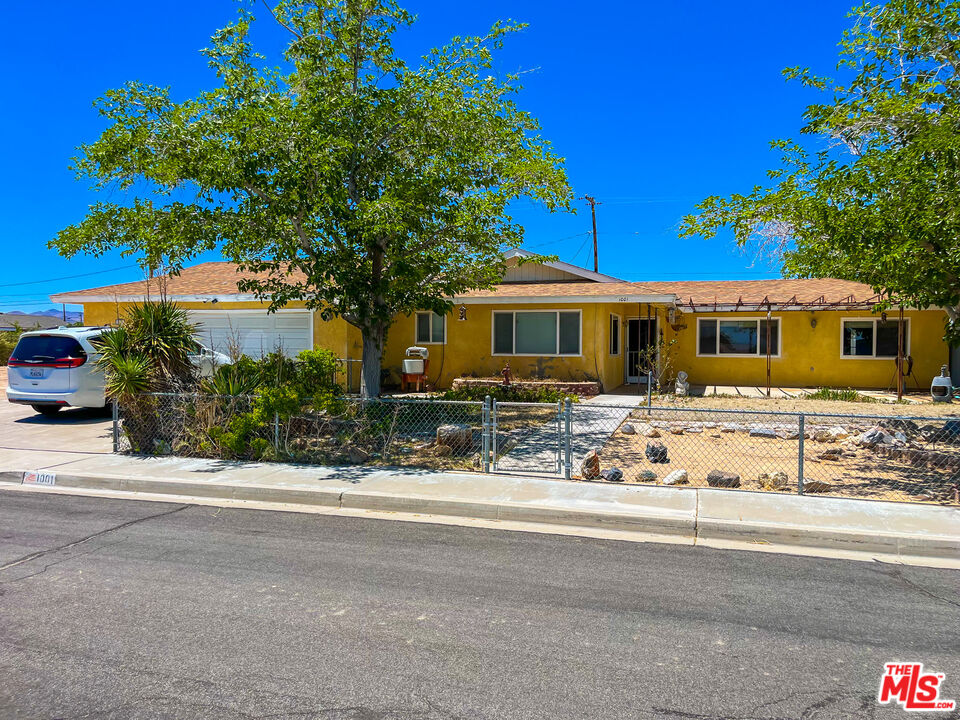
565 267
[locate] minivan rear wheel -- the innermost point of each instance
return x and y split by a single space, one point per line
47 410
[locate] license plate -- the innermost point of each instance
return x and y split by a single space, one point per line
38 373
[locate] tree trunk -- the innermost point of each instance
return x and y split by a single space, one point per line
373 338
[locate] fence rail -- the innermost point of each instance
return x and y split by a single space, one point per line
915 459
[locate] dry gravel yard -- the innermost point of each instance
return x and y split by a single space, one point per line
806 405
903 460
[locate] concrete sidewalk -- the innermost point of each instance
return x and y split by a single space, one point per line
901 532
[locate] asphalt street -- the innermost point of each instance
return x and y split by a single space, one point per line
120 609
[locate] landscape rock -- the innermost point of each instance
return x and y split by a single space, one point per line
728 429
676 431
477 460
720 478
830 454
694 429
677 477
656 452
773 481
769 433
357 455
443 451
823 436
838 432
788 434
651 432
614 474
590 466
628 429
816 486
647 476
456 437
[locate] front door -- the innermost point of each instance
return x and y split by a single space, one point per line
641 337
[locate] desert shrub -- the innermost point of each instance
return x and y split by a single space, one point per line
844 395
8 341
509 393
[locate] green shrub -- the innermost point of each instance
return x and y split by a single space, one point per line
8 341
509 393
844 395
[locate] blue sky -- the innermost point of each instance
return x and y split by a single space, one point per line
654 105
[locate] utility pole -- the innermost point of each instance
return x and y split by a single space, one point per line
593 212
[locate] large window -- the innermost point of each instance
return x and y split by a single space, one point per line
536 332
430 328
874 338
614 334
740 337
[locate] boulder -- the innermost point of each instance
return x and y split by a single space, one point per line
762 432
612 475
838 432
651 432
830 454
773 481
788 434
677 477
816 486
357 455
694 429
442 450
647 476
628 429
676 431
456 437
720 478
590 466
656 452
823 436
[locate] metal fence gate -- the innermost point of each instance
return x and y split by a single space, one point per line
527 437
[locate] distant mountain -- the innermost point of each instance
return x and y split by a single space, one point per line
71 317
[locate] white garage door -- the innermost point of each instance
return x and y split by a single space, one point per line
255 333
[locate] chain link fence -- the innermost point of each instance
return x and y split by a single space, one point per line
437 434
860 456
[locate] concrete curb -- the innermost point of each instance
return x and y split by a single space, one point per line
707 516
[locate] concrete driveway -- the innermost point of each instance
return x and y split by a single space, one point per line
73 431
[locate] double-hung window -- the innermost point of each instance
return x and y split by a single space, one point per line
536 332
743 337
431 328
874 338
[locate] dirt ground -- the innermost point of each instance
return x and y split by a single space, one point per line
927 469
804 405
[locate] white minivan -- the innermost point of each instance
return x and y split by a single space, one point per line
54 369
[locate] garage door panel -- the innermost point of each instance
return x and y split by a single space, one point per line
255 334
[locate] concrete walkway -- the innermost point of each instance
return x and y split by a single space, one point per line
833 527
594 420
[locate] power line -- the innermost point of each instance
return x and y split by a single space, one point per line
66 277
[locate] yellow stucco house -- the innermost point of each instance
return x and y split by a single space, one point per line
556 320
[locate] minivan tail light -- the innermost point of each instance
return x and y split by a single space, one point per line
66 362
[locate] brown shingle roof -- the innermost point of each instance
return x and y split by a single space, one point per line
780 291
220 278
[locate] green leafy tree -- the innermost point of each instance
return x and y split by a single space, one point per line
878 201
348 179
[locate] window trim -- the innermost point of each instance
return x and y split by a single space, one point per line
873 355
758 319
493 325
416 328
611 351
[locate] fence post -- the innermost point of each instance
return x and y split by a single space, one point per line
800 438
485 445
567 449
493 434
559 454
276 431
115 414
649 391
